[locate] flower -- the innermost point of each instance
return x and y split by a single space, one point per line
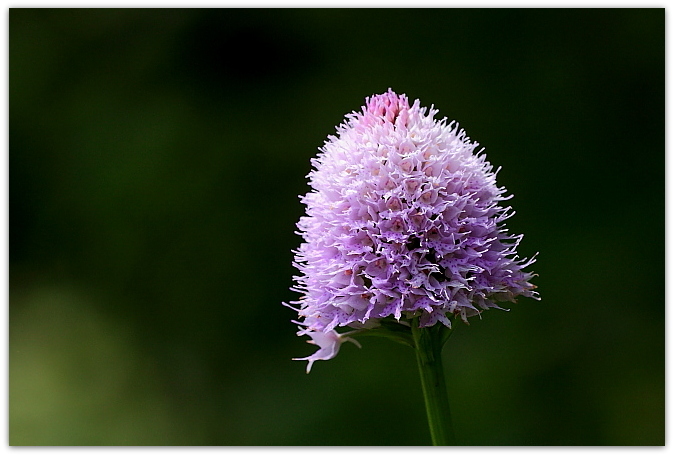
329 343
404 220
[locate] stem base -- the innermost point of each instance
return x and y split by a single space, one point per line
428 347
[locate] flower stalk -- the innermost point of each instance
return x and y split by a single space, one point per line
428 343
404 230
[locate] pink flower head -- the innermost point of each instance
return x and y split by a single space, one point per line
404 220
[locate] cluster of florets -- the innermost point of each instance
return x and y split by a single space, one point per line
404 221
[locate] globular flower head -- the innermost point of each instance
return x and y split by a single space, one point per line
404 220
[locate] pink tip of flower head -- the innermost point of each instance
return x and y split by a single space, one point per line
387 106
403 221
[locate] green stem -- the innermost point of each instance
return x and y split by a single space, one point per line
428 347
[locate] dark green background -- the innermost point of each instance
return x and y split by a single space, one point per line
155 160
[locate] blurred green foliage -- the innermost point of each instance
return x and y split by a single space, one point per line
155 160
